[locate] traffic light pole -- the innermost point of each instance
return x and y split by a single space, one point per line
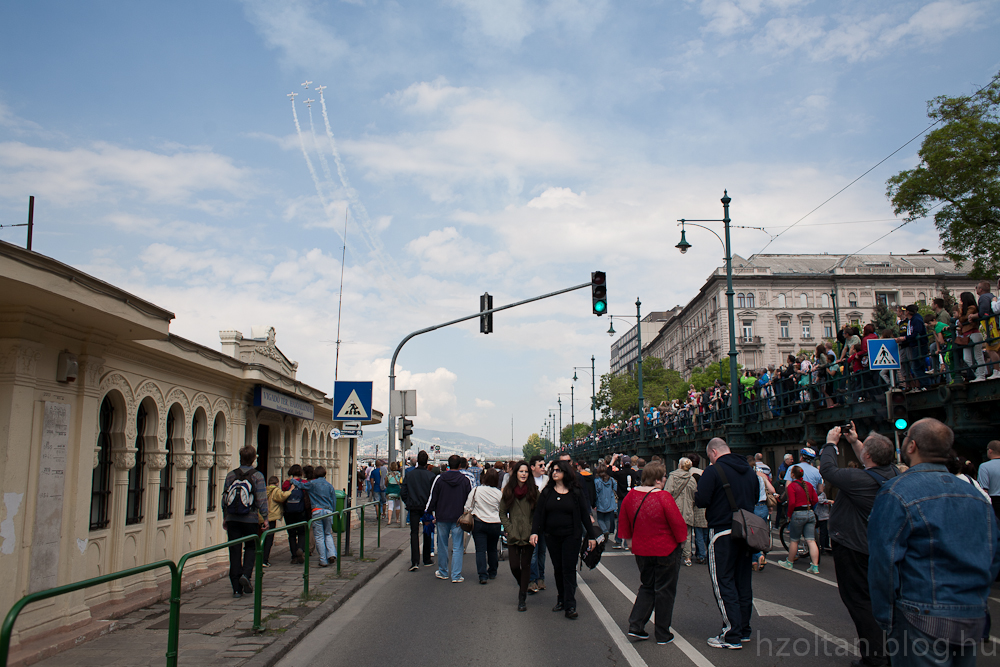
392 366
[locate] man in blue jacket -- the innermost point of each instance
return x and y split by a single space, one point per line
934 551
729 562
447 502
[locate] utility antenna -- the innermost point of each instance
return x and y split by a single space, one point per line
340 304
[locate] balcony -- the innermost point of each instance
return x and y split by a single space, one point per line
750 340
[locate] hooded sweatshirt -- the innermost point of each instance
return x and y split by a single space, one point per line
448 494
712 495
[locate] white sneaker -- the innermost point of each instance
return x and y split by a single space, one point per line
720 642
979 379
441 576
995 375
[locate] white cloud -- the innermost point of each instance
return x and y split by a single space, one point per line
557 198
484 403
508 23
446 251
294 28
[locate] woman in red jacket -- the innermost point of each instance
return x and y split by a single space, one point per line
650 518
802 499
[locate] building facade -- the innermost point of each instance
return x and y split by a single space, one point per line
625 350
786 303
116 437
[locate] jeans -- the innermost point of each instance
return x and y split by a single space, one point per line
241 556
416 527
973 354
760 509
701 543
520 564
606 521
802 525
564 550
323 528
657 590
486 537
618 539
729 568
538 560
446 529
910 647
852 579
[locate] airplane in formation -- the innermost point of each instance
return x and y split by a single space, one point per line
306 85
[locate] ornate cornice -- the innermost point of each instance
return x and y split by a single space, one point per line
156 461
182 461
124 460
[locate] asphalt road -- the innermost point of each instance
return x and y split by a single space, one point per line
415 619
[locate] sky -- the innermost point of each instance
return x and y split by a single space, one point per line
472 145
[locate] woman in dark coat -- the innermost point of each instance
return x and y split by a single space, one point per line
562 514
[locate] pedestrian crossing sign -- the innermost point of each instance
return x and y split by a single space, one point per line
883 354
352 401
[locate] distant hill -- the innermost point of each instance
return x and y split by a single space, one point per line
451 443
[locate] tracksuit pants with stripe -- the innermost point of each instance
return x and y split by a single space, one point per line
730 571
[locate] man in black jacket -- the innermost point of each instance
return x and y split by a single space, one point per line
848 528
447 503
415 490
728 557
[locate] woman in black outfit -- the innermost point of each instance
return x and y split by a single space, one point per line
563 515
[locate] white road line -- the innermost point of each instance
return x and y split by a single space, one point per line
633 657
804 574
991 597
683 644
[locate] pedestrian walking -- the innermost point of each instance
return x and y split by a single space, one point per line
651 519
275 510
989 474
244 501
728 557
537 464
484 503
517 510
323 498
297 509
607 506
802 498
934 553
563 516
681 485
447 501
415 491
393 502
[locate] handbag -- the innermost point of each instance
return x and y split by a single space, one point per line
747 526
468 520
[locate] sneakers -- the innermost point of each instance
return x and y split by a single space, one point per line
720 642
237 594
638 634
664 642
413 568
245 584
785 564
813 569
458 581
687 562
265 565
540 584
532 588
441 576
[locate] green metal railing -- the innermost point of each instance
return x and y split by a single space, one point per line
8 623
177 570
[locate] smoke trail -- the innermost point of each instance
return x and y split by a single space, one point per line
312 170
322 158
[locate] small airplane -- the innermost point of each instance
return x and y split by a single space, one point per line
320 89
309 102
306 85
291 96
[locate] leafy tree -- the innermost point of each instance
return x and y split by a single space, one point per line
959 171
581 430
533 446
883 318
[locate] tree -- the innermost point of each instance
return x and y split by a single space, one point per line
619 394
533 447
883 318
581 430
959 171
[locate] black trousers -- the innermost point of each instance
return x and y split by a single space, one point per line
241 556
852 579
296 536
657 591
564 550
730 571
520 564
486 537
416 527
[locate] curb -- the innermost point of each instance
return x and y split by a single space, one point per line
272 653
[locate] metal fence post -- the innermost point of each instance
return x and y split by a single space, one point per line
340 516
361 549
259 577
378 533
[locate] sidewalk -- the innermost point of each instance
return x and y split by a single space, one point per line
216 629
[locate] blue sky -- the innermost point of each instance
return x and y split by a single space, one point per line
511 146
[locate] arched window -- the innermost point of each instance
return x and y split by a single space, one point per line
852 300
750 300
136 478
741 300
164 510
100 493
218 432
922 298
825 300
781 301
191 491
803 300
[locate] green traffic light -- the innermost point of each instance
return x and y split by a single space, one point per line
600 306
901 424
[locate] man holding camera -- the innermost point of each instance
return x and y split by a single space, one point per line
848 528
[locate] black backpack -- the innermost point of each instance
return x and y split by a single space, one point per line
239 497
296 502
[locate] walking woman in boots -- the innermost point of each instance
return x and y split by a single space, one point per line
563 516
517 509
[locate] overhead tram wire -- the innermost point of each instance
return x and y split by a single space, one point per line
838 192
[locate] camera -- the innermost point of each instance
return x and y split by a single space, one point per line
845 427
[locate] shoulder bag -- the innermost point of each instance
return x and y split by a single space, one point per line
467 521
747 526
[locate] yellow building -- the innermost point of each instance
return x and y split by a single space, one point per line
116 437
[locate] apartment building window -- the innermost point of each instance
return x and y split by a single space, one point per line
750 300
783 329
852 300
781 301
191 490
136 476
100 493
827 329
748 329
741 300
825 300
803 300
886 298
164 510
807 329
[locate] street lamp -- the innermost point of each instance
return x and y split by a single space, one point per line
593 395
638 333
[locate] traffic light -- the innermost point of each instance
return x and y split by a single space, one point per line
486 321
599 292
896 408
405 428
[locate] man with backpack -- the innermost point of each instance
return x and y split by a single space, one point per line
297 510
244 503
415 490
848 528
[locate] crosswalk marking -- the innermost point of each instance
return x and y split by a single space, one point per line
625 646
805 574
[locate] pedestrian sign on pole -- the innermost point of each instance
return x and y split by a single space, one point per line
352 401
883 354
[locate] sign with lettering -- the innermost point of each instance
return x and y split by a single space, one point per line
264 397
